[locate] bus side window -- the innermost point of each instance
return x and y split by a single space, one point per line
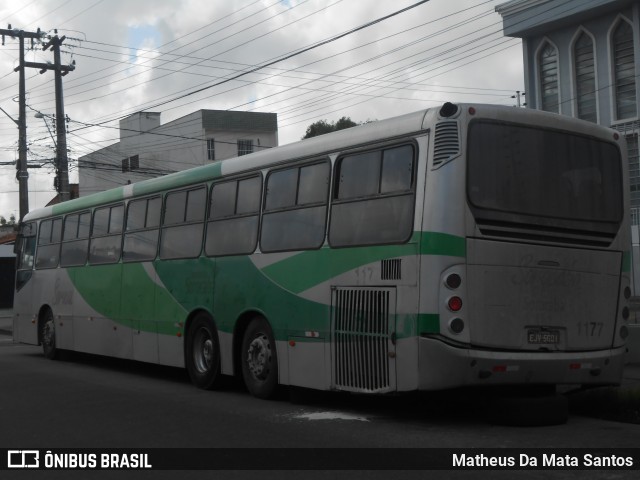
25 261
183 224
295 212
26 248
75 239
141 230
106 235
234 216
48 252
373 201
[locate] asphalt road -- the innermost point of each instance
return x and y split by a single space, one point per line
86 401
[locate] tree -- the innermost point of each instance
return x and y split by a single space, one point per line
345 122
318 128
322 126
4 222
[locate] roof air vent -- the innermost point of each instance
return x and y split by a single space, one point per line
448 110
447 142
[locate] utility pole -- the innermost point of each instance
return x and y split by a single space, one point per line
62 163
517 97
22 175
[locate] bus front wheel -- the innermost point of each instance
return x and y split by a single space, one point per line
259 359
48 335
203 353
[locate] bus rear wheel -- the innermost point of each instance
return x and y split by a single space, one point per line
203 353
259 359
48 335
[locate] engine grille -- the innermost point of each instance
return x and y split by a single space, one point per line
363 351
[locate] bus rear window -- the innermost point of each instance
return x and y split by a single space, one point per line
543 173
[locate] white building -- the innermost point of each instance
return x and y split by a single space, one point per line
148 149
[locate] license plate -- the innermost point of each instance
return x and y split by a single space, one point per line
543 337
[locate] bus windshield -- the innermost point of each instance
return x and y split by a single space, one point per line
540 173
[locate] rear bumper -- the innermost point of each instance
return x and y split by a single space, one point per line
445 366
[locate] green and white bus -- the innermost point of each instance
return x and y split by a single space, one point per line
466 245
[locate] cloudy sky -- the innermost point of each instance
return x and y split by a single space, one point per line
179 56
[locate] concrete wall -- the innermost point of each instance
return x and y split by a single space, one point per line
175 146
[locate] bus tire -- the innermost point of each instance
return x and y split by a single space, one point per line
259 359
48 335
202 356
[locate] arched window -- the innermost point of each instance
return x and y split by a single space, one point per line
548 67
624 71
585 78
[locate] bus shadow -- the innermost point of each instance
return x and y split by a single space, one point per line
468 406
458 406
126 366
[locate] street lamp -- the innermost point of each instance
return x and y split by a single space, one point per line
44 117
56 181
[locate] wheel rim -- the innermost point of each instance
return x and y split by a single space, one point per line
203 350
259 357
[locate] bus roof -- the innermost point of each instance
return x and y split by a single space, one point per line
322 145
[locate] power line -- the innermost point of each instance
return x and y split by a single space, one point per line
220 53
234 107
459 66
379 78
208 86
352 93
285 57
73 86
99 124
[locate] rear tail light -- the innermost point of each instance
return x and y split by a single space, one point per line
455 304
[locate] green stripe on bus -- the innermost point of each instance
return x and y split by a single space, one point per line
179 179
149 308
307 269
81 203
437 243
428 323
186 177
240 288
176 180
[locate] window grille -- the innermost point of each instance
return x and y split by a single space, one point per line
548 62
624 71
585 78
245 147
211 149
